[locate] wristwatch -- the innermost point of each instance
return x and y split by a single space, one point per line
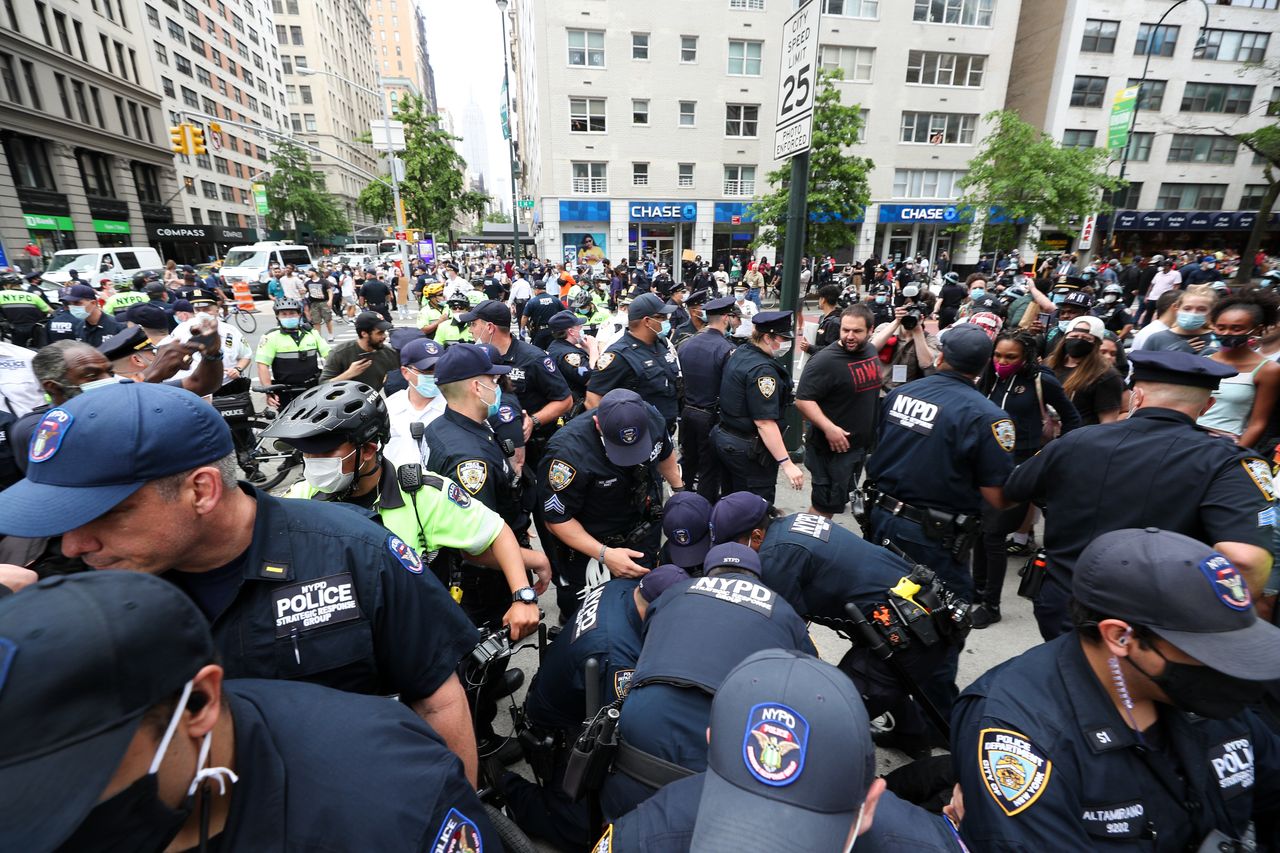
525 595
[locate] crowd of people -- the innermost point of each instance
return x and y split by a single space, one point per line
191 661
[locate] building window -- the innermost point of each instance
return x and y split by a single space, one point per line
586 115
1194 148
215 217
1191 196
286 64
190 98
62 94
82 106
162 55
304 92
926 183
741 120
203 77
182 64
1099 36
147 181
639 111
739 180
586 48
945 69
1234 45
754 5
29 74
300 61
195 216
1252 4
196 44
688 113
295 122
1078 138
1251 197
966 13
11 88
227 193
1140 147
1088 91
855 62
640 174
44 23
13 16
95 173
1126 198
640 46
745 58
1151 95
688 48
60 23
590 178
938 128
295 35
221 166
1216 98
28 162
209 189
1159 41
684 175
309 122
853 8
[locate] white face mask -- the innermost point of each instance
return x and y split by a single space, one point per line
783 349
325 474
222 774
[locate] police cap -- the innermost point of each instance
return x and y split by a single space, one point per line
967 348
735 514
202 297
77 292
1079 299
1178 368
132 339
686 520
420 354
721 305
647 305
733 556
181 306
562 320
466 361
660 580
148 315
773 322
1068 282
698 297
623 419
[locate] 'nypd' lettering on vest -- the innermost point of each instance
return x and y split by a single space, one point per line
736 591
314 604
915 415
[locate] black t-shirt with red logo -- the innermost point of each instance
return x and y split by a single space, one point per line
846 386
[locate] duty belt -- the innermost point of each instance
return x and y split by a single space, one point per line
738 433
647 769
897 507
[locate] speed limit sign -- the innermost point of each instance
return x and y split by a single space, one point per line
797 82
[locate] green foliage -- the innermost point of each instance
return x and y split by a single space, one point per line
296 195
1027 175
434 189
838 189
498 217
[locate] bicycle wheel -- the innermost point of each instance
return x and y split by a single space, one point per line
513 840
283 464
246 321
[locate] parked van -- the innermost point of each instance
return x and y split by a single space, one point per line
253 263
90 263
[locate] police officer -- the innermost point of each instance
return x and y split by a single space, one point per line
1173 474
679 294
1112 311
725 615
23 311
943 449
686 523
755 392
569 351
642 361
703 361
64 325
289 354
95 325
127 349
127 293
598 492
538 312
453 328
1134 731
113 695
265 571
607 629
694 317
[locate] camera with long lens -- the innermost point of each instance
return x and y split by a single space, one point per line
912 318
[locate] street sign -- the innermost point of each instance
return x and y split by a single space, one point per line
525 204
387 135
797 82
1086 231
1121 117
397 168
260 199
401 235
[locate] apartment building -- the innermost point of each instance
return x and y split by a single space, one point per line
399 33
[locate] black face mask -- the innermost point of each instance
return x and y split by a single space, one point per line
133 820
1078 347
1233 341
1203 691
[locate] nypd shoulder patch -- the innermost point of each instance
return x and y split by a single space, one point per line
775 743
458 496
404 554
622 682
458 834
506 414
49 434
560 474
1006 435
1257 469
472 474
767 386
549 365
605 360
1227 582
605 844
573 359
1015 771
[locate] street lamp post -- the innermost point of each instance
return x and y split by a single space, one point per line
1137 104
511 139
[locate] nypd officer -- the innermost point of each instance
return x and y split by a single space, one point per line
300 590
755 392
642 361
114 698
703 357
725 616
599 496
694 309
538 312
1155 467
1135 731
943 449
607 628
569 353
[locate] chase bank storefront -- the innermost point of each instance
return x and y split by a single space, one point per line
905 230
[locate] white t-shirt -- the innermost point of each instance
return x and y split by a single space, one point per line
1147 331
1162 283
748 309
19 390
521 289
401 449
349 288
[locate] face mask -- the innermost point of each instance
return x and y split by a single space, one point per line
1004 371
325 474
99 383
880 300
1109 298
1204 691
1233 341
492 408
1188 321
1064 325
78 312
426 386
740 295
783 349
290 322
1078 347
977 293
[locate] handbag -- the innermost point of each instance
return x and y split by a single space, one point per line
1050 426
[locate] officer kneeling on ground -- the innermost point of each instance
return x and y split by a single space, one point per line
1134 732
114 701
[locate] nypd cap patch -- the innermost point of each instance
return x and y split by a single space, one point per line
406 556
1227 582
775 743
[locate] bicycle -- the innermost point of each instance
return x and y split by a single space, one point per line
244 319
238 410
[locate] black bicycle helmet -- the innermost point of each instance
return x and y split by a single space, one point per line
352 411
9 278
287 304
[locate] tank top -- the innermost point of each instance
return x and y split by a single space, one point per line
1232 403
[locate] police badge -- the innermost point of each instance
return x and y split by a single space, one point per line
560 475
605 361
472 475
1260 472
767 386
1014 770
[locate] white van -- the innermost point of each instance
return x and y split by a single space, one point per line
88 263
253 263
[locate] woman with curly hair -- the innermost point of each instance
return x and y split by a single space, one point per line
1094 386
1243 403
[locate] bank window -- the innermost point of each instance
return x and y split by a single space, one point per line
1151 95
1077 138
1191 196
966 13
741 120
640 174
1140 146
1099 36
754 5
739 180
855 62
688 113
938 128
1088 91
852 8
1158 41
28 162
1216 98
640 46
688 48
639 111
1234 45
590 178
1197 148
684 175
745 58
586 115
930 68
926 183
586 48
1251 197
95 173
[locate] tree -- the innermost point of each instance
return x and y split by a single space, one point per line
434 188
497 216
1020 174
838 190
1265 142
296 194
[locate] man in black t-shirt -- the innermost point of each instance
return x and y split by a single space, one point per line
374 295
839 395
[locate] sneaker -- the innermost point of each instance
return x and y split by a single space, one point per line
984 615
1014 548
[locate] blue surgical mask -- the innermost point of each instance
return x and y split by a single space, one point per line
977 293
426 386
880 300
78 312
290 322
1190 321
494 406
1064 325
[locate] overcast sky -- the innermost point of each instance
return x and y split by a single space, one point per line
464 38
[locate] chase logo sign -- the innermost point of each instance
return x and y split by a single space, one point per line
662 211
775 744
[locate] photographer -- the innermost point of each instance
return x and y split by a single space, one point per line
905 341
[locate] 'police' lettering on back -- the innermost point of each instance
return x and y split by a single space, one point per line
314 604
738 591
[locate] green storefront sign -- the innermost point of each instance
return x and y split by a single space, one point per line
260 199
40 222
1121 117
110 226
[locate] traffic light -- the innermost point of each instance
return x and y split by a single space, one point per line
178 139
197 141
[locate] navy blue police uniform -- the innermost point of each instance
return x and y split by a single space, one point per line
755 386
62 326
536 381
682 322
651 370
725 615
538 312
573 362
703 358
